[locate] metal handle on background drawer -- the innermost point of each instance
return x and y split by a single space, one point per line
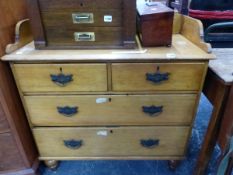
73 144
149 143
61 79
67 111
157 77
82 18
84 36
152 110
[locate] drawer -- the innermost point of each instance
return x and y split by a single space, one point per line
9 154
111 110
83 36
108 142
84 18
61 77
46 5
157 76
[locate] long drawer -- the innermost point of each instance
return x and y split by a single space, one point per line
53 5
106 110
61 77
84 36
84 18
157 76
107 142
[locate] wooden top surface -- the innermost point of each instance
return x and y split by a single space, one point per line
182 49
223 65
157 7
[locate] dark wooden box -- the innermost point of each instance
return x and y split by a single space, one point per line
88 24
154 24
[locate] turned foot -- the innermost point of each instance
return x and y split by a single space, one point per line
173 164
51 164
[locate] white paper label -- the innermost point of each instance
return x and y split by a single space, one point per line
171 55
107 18
102 133
101 100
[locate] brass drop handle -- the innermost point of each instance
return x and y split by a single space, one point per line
73 144
83 18
157 77
84 36
149 143
152 110
67 111
61 79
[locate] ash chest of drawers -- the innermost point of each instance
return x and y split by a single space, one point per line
113 104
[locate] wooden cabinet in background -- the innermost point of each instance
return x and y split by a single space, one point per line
18 154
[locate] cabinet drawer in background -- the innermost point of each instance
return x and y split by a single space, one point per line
84 18
9 153
105 110
83 36
53 5
61 77
161 76
108 142
4 127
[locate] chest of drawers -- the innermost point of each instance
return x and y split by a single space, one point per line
112 104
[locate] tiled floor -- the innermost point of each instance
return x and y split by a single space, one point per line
145 167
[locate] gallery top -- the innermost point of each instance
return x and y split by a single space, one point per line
181 49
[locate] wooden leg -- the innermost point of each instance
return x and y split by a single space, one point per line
173 164
51 164
216 92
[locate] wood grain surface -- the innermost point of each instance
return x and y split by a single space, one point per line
116 110
132 77
36 77
104 142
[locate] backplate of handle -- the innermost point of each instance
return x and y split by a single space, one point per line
152 110
84 36
73 144
149 143
61 79
83 18
157 77
67 111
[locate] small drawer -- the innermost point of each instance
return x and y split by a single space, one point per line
89 110
61 77
53 5
85 18
108 142
157 76
66 36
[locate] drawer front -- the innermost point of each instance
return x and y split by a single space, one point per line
9 155
104 142
161 76
83 18
61 77
89 36
46 5
111 110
